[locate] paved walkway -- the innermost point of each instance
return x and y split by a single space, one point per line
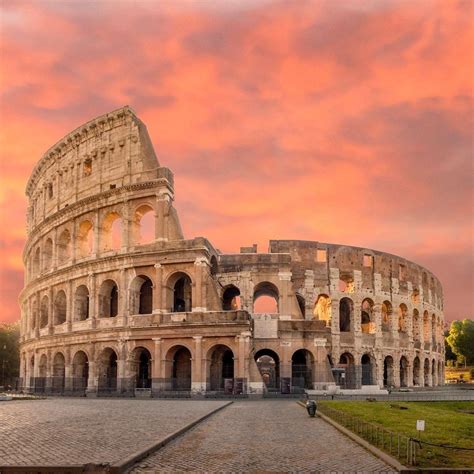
65 431
258 436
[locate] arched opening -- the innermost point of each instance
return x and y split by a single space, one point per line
367 370
388 376
416 372
111 231
302 363
107 371
268 364
433 331
346 378
181 290
48 254
301 304
59 370
402 318
44 312
108 299
85 239
40 381
231 298
34 314
181 368
81 303
433 373
64 246
36 262
322 309
60 305
142 367
366 316
221 369
80 371
266 298
386 316
426 373
144 225
415 296
346 284
346 309
426 327
403 372
416 325
141 295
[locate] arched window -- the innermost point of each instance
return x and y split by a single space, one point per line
402 318
386 316
231 298
64 246
182 291
44 312
111 231
60 305
366 316
346 284
416 325
36 262
144 225
107 371
108 299
81 303
141 367
266 298
141 295
322 309
48 254
220 368
426 327
85 239
346 310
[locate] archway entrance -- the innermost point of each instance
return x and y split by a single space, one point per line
181 370
80 371
301 370
58 373
142 367
221 369
346 377
108 371
416 371
367 370
388 371
403 372
268 364
426 373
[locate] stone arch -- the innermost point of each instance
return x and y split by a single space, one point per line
40 381
34 313
81 303
220 368
367 316
48 254
301 304
346 284
386 316
64 247
179 290
111 235
402 318
322 309
426 373
60 308
36 262
346 312
59 372
141 362
416 371
178 369
143 224
403 371
433 330
268 364
85 239
107 370
141 295
368 369
231 298
266 298
434 373
416 325
44 312
80 370
348 377
108 299
302 368
388 372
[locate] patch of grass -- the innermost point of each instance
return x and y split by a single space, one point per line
448 423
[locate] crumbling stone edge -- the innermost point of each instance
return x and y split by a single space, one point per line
362 442
123 465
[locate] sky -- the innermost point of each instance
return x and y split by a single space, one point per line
346 122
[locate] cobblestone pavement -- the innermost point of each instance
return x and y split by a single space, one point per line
65 431
262 436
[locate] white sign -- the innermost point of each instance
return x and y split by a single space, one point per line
420 425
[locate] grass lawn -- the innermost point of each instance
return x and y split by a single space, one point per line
450 423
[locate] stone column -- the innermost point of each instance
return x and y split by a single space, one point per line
284 305
198 382
93 313
69 306
157 366
51 312
379 369
198 303
68 372
162 209
285 362
37 316
158 290
126 225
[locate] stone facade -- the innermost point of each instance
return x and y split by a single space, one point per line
116 300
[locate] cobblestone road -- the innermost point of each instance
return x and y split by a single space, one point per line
259 436
69 431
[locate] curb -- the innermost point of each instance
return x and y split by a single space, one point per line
120 466
362 442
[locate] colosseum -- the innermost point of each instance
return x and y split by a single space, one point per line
118 302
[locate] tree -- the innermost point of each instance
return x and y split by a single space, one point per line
449 354
9 353
461 339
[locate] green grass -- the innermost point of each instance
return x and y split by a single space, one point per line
449 423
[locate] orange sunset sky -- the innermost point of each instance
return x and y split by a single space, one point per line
339 121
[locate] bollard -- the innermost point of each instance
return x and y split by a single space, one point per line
311 407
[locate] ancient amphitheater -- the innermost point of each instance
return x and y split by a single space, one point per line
117 301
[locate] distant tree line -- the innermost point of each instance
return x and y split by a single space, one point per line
9 353
459 342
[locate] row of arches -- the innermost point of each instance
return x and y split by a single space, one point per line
83 237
